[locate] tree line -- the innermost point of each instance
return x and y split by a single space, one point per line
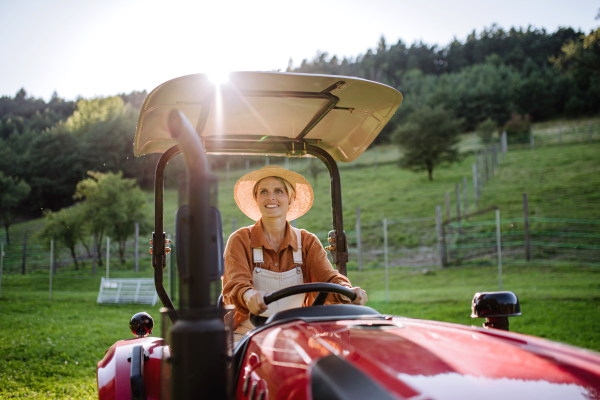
491 79
494 74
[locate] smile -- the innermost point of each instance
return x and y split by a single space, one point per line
271 206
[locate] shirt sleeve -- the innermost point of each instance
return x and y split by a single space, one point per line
320 269
237 278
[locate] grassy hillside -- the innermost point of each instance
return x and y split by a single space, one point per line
560 181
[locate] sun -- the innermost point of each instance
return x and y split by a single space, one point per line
218 76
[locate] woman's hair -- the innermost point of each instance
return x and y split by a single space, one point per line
289 189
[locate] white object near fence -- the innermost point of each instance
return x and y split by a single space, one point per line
499 245
107 255
51 267
385 257
123 291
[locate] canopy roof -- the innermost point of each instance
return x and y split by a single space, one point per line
270 113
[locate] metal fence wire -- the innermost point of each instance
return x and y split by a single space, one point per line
544 239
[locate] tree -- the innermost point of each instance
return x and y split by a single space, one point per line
93 111
12 192
486 130
112 206
582 54
429 139
67 227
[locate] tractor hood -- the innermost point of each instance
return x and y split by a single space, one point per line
341 115
414 359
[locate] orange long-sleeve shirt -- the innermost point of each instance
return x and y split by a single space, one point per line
239 264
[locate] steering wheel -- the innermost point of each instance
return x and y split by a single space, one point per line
323 288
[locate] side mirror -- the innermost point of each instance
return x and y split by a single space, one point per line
495 307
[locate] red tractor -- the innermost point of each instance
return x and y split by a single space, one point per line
320 352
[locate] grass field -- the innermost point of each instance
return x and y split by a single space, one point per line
49 348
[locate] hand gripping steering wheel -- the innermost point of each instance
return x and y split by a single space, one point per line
323 288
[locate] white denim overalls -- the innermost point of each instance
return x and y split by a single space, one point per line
270 281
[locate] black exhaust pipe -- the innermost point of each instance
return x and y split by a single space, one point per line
198 338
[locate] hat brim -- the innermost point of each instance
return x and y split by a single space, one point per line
244 196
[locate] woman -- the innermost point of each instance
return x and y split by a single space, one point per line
271 255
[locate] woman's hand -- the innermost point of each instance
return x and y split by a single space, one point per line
255 301
361 296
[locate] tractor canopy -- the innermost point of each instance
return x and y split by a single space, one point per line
280 111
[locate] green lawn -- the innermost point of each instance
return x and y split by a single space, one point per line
49 348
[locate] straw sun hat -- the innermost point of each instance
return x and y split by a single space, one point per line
244 196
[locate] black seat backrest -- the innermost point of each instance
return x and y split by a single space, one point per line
182 228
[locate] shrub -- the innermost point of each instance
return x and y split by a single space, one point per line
517 129
486 129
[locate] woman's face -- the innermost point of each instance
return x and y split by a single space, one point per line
272 200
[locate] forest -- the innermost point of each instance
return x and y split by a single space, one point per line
494 75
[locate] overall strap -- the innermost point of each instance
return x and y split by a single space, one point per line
298 253
257 253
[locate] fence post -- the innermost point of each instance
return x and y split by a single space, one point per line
475 134
107 256
227 169
481 170
136 246
457 190
526 226
287 163
1 264
531 137
487 167
560 134
247 165
492 162
475 185
51 267
590 130
466 195
94 250
499 246
233 224
266 160
24 254
358 239
447 206
504 144
385 257
495 159
440 235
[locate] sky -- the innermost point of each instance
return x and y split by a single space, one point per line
103 48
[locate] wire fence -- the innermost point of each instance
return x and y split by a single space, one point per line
523 240
544 134
29 254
